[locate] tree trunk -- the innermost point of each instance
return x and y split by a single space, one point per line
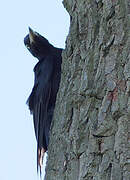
89 134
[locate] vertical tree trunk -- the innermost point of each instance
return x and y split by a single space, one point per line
89 135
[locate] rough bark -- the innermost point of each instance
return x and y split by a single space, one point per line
90 131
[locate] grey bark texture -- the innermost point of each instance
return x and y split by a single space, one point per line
90 133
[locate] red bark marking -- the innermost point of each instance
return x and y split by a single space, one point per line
122 85
109 96
113 1
115 94
112 96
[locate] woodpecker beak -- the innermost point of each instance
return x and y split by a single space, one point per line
32 35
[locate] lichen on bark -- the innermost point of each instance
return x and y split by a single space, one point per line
90 130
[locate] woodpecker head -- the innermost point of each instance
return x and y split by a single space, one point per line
37 44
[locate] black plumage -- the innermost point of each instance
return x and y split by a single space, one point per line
42 99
